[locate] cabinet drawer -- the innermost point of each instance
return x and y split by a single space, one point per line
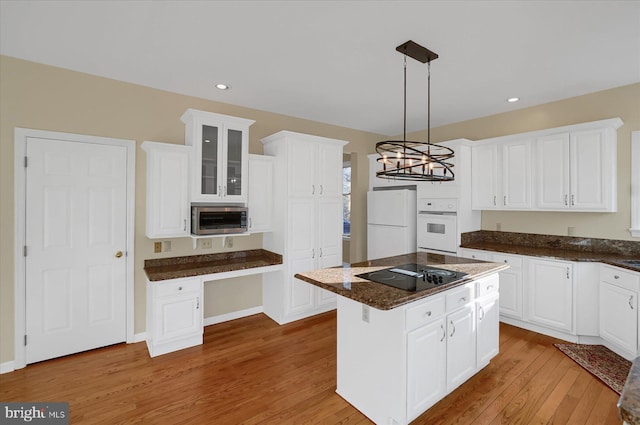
476 255
425 313
620 277
460 296
174 288
512 260
487 285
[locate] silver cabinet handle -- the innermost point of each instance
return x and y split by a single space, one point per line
616 277
220 191
184 228
573 200
462 299
321 189
444 333
250 223
313 253
197 303
567 272
566 199
428 313
631 302
313 189
494 200
481 311
454 328
321 252
505 200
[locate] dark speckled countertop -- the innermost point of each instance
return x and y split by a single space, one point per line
343 280
629 403
607 251
198 265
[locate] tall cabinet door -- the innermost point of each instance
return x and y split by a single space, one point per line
302 170
484 174
552 174
329 232
488 330
516 175
461 346
551 293
302 253
330 171
588 173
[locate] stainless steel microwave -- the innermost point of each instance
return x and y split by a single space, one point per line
212 219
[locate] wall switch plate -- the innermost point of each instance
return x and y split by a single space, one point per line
365 313
206 244
166 246
157 247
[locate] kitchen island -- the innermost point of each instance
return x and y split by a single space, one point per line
399 352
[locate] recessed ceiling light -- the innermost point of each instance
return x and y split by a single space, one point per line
221 86
513 99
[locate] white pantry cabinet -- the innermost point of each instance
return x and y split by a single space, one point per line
619 309
174 315
221 150
307 228
168 212
260 195
551 293
501 174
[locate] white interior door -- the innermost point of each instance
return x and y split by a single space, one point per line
76 224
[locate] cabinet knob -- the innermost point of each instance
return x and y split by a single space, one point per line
428 313
118 254
179 288
616 277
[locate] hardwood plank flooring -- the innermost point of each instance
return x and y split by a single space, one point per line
253 371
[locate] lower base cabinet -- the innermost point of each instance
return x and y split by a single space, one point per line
393 365
174 315
551 293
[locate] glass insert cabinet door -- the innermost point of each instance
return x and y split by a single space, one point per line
234 163
210 183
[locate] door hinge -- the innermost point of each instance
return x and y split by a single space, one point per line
26 162
25 340
24 251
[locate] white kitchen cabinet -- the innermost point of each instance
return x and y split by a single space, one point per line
619 309
168 212
260 195
501 174
551 293
174 315
461 346
307 226
426 378
221 149
576 170
488 329
511 285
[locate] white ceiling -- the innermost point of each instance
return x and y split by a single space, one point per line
335 61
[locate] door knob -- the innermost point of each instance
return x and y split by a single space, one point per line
118 254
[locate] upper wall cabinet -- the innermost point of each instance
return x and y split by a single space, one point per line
576 170
501 174
167 190
570 168
221 150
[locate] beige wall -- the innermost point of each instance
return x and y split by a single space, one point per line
622 102
47 98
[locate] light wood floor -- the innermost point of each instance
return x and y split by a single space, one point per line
252 371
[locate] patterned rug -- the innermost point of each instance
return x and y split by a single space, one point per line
601 362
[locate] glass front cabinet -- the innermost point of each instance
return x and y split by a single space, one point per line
221 152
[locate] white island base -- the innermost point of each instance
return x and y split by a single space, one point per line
395 364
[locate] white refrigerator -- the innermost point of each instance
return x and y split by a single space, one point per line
391 223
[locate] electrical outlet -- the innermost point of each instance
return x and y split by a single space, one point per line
157 247
228 242
571 231
365 313
166 246
206 244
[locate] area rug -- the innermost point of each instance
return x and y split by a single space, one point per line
601 362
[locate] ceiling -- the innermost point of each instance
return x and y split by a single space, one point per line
335 61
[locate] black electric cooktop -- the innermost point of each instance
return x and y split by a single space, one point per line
414 277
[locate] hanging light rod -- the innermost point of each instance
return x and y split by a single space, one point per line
408 160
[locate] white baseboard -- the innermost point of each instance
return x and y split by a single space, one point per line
142 336
232 316
7 367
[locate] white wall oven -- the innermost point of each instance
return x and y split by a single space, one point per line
437 225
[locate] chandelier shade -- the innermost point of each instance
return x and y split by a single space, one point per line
410 160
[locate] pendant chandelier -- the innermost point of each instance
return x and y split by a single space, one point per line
408 160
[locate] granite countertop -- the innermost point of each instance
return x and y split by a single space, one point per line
607 251
198 265
343 280
629 403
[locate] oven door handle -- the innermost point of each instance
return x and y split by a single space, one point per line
437 213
